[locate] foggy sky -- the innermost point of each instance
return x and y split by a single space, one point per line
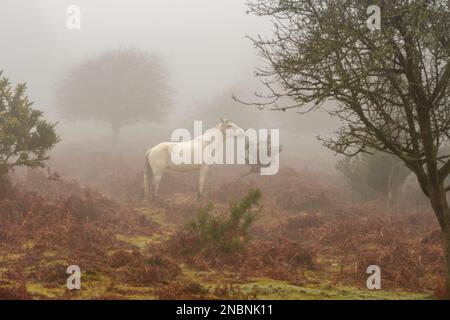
201 41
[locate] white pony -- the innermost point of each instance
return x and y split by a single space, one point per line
159 158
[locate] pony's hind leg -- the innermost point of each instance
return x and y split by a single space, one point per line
156 181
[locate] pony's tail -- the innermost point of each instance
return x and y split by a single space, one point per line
148 174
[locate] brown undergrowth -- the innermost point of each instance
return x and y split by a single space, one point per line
306 233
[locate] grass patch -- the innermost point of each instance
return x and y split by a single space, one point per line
137 241
281 290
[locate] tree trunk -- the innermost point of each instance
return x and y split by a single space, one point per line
390 196
446 243
442 210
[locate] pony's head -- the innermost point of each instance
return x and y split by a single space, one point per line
232 127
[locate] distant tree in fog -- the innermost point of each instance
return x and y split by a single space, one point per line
228 104
375 175
391 86
223 105
121 87
25 137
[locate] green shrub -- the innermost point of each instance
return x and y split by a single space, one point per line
25 136
227 232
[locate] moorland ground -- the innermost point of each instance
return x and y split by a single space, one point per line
309 241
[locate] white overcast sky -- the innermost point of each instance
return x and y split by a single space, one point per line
202 41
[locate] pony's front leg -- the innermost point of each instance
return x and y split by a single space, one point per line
201 180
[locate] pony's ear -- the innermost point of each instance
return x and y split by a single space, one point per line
223 120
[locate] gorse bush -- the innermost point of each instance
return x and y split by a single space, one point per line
227 232
25 136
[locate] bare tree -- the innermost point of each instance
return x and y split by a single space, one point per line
391 86
122 86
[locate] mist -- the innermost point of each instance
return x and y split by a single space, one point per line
203 44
